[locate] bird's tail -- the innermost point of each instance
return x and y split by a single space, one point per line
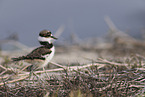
17 59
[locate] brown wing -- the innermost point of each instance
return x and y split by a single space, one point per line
37 53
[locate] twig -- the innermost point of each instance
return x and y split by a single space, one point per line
110 24
3 67
24 68
137 86
59 31
3 72
140 56
14 80
58 65
114 63
6 76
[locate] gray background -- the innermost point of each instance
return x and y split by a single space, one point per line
83 17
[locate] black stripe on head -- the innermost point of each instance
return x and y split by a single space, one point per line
45 33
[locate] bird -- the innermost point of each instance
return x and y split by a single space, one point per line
41 56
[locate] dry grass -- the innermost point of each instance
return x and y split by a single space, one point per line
101 78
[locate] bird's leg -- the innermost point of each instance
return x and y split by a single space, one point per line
43 69
30 68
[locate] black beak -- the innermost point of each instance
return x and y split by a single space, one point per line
53 37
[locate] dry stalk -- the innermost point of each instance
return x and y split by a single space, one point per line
113 63
58 65
3 72
16 80
137 86
140 56
6 76
5 68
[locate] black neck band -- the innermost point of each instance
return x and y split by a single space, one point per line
49 45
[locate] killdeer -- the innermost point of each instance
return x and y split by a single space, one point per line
40 56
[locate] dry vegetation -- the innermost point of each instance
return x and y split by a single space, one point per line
101 78
117 70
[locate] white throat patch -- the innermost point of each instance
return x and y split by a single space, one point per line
45 39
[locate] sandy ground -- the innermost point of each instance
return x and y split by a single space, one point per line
73 55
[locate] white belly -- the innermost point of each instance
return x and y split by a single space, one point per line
48 57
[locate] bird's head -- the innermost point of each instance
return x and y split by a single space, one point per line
45 37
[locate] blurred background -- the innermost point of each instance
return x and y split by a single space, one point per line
85 18
102 46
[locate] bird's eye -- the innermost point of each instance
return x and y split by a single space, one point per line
48 33
40 34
